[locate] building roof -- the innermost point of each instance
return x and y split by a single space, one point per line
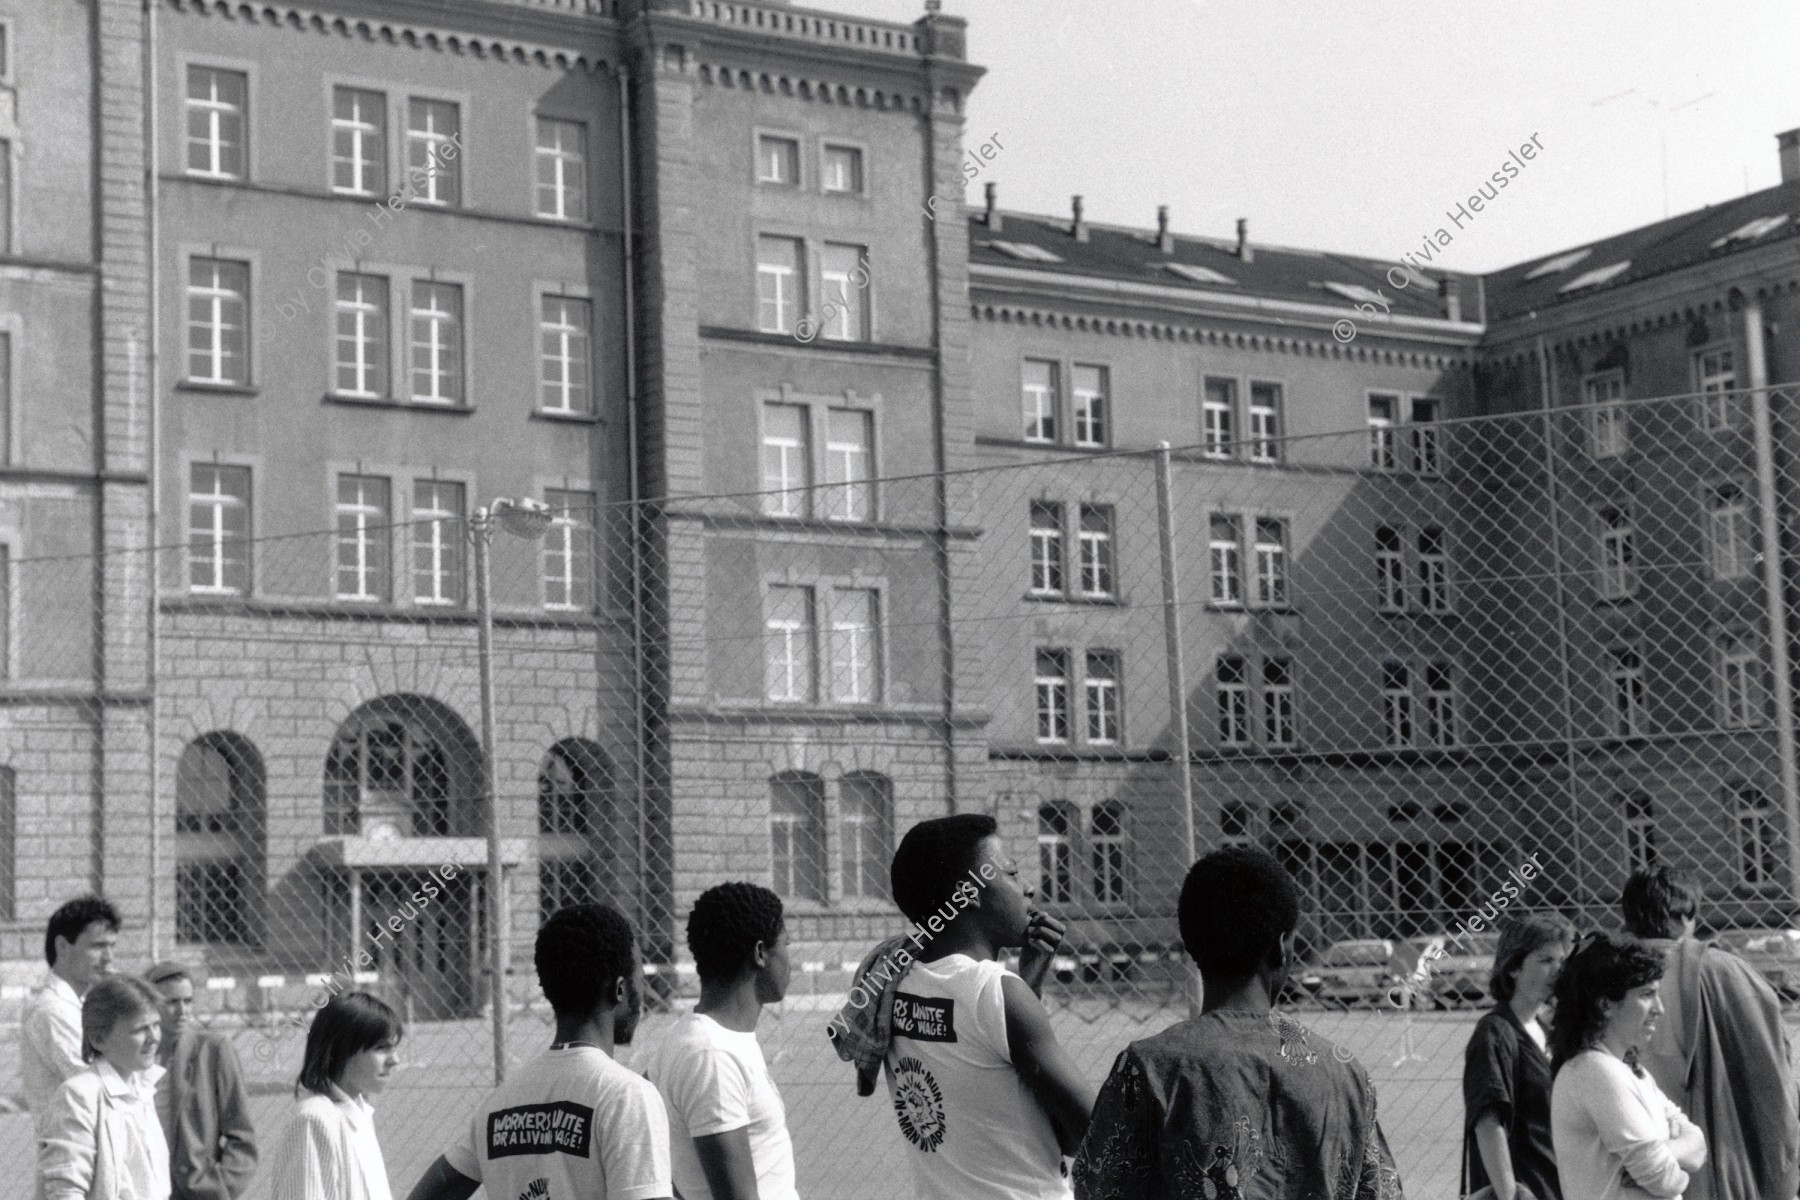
1206 265
1695 237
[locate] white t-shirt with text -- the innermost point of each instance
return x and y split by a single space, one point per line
571 1124
715 1080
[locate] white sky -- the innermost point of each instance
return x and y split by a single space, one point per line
1353 126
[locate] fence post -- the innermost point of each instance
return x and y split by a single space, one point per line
1774 588
481 530
1178 721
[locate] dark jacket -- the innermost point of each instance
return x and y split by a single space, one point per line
206 1115
1504 1073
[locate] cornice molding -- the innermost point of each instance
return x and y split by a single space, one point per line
1166 331
435 36
727 77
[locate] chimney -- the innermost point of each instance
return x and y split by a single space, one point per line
1244 251
1165 241
993 209
1451 293
1079 229
1788 148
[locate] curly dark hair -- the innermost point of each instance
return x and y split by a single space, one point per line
727 922
1520 938
582 952
1603 967
1235 905
933 858
1657 900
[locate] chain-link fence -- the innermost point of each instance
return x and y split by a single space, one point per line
1422 664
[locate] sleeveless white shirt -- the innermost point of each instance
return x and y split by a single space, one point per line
974 1129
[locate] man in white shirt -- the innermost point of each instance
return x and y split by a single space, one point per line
572 1124
986 1097
727 1125
78 945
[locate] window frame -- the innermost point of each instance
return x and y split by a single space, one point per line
452 547
798 161
1218 419
384 165
1761 862
232 257
1628 693
1231 573
1234 726
861 150
1106 545
1280 597
1436 571
1276 413
805 634
1280 695
1639 824
1057 686
544 295
1392 593
828 633
220 569
1421 434
797 273
247 115
1049 410
1616 574
385 343
1399 715
1051 533
1745 549
563 541
1383 432
1736 653
1098 688
451 164
1721 405
560 157
858 305
1441 729
1094 416
1112 848
372 536
461 288
1611 439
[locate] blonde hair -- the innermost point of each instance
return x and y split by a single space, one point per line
112 1000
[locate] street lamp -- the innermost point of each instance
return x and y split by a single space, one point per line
527 519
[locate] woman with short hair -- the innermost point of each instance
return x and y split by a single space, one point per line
1506 1068
1614 1132
329 1151
101 1137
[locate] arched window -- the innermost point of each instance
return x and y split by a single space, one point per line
405 762
1056 853
574 799
867 808
797 835
219 798
1106 844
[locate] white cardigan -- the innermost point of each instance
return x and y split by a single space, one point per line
329 1152
100 1138
1609 1124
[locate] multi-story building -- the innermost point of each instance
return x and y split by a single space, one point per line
350 270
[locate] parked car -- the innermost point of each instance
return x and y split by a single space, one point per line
1348 971
1458 969
1775 953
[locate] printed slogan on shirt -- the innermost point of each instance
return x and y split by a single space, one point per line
923 1019
561 1127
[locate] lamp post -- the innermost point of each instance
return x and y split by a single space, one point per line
521 518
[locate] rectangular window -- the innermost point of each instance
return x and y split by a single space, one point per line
844 272
1731 536
1618 556
1384 409
1218 411
1046 548
855 654
561 170
1434 570
362 335
1742 696
843 170
358 142
1264 432
779 295
6 611
787 460
1278 701
219 529
1225 560
1440 705
218 297
363 537
1106 841
1609 433
6 399
1427 449
564 355
9 830
1052 687
1390 570
437 343
1397 702
788 645
1102 687
569 551
7 202
437 542
1271 562
1640 832
777 160
1759 837
1039 387
1090 406
1715 379
216 104
849 465
434 175
1096 551
1626 671
1056 856
1232 690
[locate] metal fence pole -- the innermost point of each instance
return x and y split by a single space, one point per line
481 533
1774 590
1178 720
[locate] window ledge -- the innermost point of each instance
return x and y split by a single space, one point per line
449 410
558 416
1075 600
217 389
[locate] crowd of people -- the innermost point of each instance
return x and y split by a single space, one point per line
1618 1065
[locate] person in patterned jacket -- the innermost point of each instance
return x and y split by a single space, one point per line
1196 1110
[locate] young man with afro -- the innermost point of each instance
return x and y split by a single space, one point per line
1241 1100
727 1125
